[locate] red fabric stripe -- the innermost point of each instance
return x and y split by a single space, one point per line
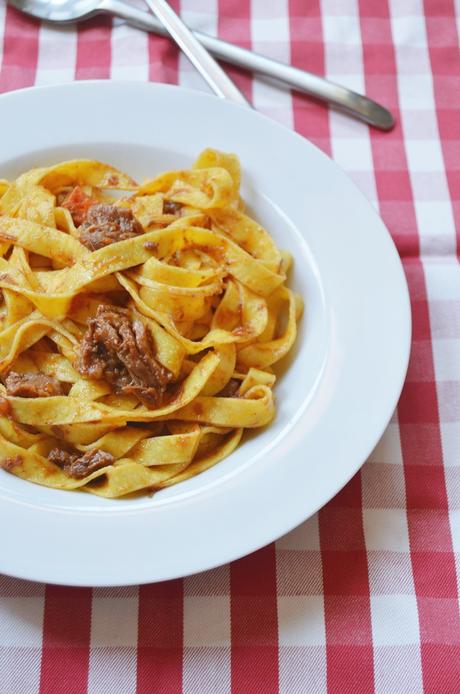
160 642
234 25
418 407
346 587
20 51
164 56
443 42
94 51
393 187
346 592
254 620
66 640
311 118
434 570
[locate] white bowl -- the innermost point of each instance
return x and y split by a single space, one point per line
334 397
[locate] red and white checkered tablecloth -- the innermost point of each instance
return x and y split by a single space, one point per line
363 597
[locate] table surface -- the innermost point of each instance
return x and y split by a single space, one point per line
363 597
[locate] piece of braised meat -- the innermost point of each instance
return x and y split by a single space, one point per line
170 207
230 389
106 224
121 351
79 465
32 385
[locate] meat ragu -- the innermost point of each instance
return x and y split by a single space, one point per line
32 385
79 465
231 389
170 207
120 350
153 306
78 204
106 224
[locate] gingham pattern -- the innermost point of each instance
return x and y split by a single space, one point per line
363 597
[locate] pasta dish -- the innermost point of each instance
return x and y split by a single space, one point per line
139 324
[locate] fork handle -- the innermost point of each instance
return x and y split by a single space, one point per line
198 55
341 98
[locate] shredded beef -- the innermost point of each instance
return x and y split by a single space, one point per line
170 207
231 389
33 385
106 224
78 465
121 351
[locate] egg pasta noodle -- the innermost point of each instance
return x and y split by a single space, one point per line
139 324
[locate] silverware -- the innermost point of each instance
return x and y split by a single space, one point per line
198 55
68 11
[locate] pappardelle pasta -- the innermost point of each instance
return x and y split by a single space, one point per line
139 324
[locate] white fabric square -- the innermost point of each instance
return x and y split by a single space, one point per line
203 19
419 124
424 155
56 56
438 245
343 29
352 154
454 518
388 449
205 671
203 16
398 669
386 529
452 478
429 185
348 67
270 36
20 670
443 279
356 83
274 8
409 30
206 620
450 436
270 99
302 670
21 622
269 29
112 670
129 47
341 124
305 536
446 355
301 620
129 54
434 217
394 620
204 6
114 622
415 91
390 573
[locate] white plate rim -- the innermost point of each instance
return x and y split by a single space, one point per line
258 484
